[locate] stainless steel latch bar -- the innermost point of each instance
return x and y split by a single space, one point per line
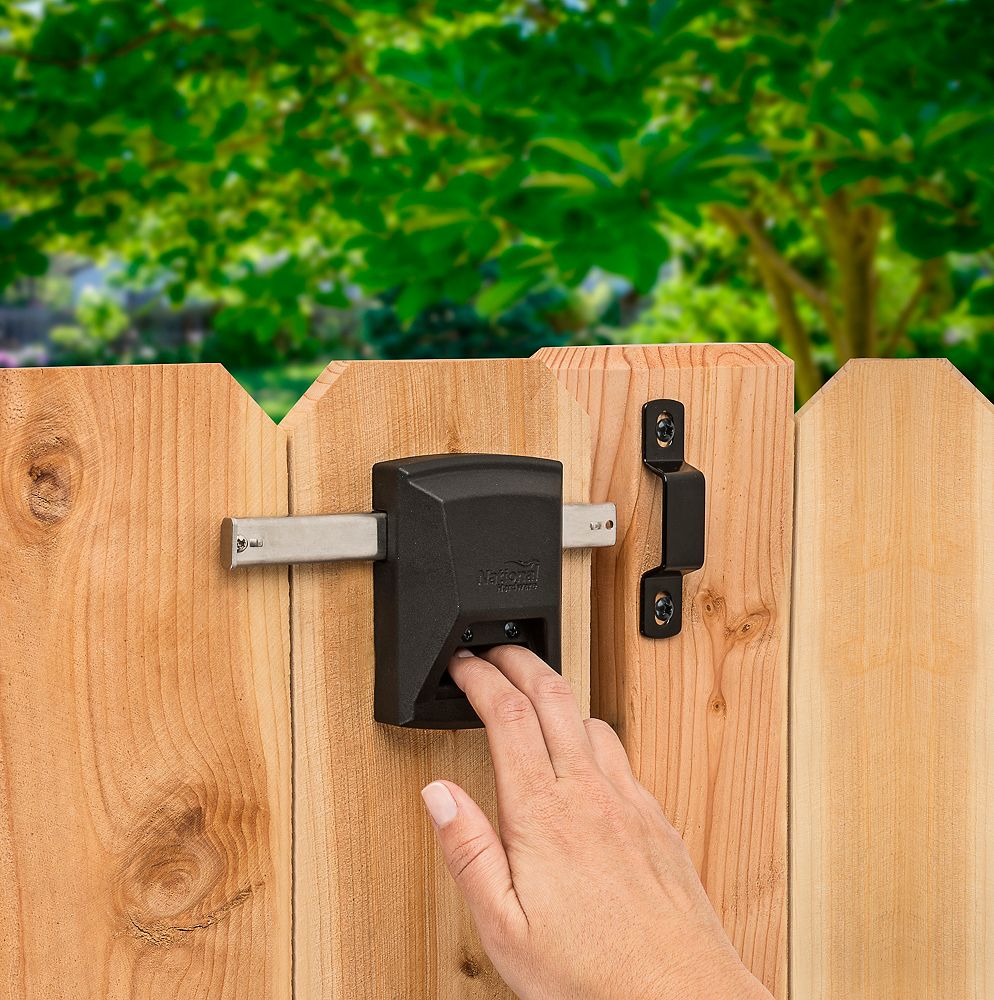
267 541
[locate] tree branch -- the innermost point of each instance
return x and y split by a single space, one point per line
394 104
170 27
807 378
926 279
741 224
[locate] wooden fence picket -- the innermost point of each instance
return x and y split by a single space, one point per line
144 704
892 698
376 914
703 715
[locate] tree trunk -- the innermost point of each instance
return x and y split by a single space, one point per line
853 238
807 378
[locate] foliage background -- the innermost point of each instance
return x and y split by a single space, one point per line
271 183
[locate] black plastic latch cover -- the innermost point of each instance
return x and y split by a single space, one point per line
474 559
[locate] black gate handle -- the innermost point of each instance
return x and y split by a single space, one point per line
682 534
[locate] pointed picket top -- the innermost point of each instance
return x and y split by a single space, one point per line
314 393
891 371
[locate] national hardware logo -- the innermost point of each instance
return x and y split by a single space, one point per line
512 576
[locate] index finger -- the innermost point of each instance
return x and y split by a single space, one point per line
517 746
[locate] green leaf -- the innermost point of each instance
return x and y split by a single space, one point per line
174 130
421 221
338 20
32 262
659 11
957 121
461 285
574 150
521 258
230 121
19 119
414 299
571 182
199 229
481 239
923 239
671 16
202 152
441 240
853 171
132 173
233 15
861 105
982 300
168 185
503 293
638 256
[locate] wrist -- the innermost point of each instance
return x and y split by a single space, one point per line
750 988
719 980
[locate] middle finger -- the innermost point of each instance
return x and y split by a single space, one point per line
555 706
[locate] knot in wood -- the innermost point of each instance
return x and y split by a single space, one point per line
53 470
470 967
711 604
753 626
181 874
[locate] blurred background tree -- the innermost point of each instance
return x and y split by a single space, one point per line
486 177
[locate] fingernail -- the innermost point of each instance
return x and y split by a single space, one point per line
464 652
440 803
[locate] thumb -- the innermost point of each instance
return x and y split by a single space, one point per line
472 850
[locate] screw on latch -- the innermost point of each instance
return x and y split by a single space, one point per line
665 429
467 636
242 543
664 608
511 630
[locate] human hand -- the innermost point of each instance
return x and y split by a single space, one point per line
588 893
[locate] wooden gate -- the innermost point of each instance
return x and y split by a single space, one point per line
196 802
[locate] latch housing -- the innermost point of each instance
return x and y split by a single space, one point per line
474 559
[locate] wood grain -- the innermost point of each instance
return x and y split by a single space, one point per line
144 704
376 914
892 700
703 715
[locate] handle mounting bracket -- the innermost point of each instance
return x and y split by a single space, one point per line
683 516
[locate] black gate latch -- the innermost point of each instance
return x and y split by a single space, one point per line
467 551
